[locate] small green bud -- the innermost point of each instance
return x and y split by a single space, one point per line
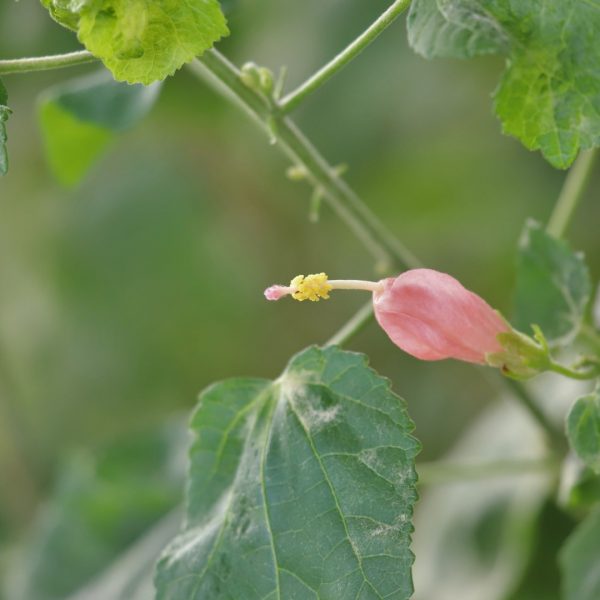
249 74
259 79
266 82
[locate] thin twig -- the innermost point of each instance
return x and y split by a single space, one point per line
571 193
45 63
293 99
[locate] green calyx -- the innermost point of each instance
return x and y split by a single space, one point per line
524 357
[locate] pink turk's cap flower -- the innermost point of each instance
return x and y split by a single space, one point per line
432 316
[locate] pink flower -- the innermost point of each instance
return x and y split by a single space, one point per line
432 316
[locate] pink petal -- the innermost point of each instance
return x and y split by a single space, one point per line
432 316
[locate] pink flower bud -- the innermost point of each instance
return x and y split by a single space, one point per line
432 316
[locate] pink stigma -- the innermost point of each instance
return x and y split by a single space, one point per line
275 292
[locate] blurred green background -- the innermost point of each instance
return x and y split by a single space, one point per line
122 297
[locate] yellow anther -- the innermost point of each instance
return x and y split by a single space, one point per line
312 287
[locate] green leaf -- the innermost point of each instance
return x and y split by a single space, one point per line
583 491
553 285
583 429
100 505
302 487
4 114
78 120
580 561
548 95
142 41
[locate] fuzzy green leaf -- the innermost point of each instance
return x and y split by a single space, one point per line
549 95
142 41
4 114
78 120
299 488
583 429
553 285
580 561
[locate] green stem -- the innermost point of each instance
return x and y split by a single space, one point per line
45 63
573 373
571 193
293 99
387 250
443 472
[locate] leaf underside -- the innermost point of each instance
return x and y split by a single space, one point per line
553 285
142 41
549 94
299 488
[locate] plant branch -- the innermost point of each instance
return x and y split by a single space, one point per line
293 99
45 63
387 250
571 193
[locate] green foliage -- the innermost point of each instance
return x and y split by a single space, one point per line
583 429
100 506
302 487
548 95
142 41
580 561
584 491
4 114
78 120
553 285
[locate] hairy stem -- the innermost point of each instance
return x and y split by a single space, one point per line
387 250
293 99
571 193
45 63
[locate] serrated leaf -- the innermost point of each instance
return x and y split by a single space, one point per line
4 114
100 505
142 41
553 285
78 120
580 561
583 429
299 488
548 95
